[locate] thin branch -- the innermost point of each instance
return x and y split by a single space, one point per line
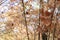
3 1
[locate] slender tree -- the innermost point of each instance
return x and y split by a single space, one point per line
25 19
55 20
39 21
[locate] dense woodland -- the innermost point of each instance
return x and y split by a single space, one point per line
29 19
